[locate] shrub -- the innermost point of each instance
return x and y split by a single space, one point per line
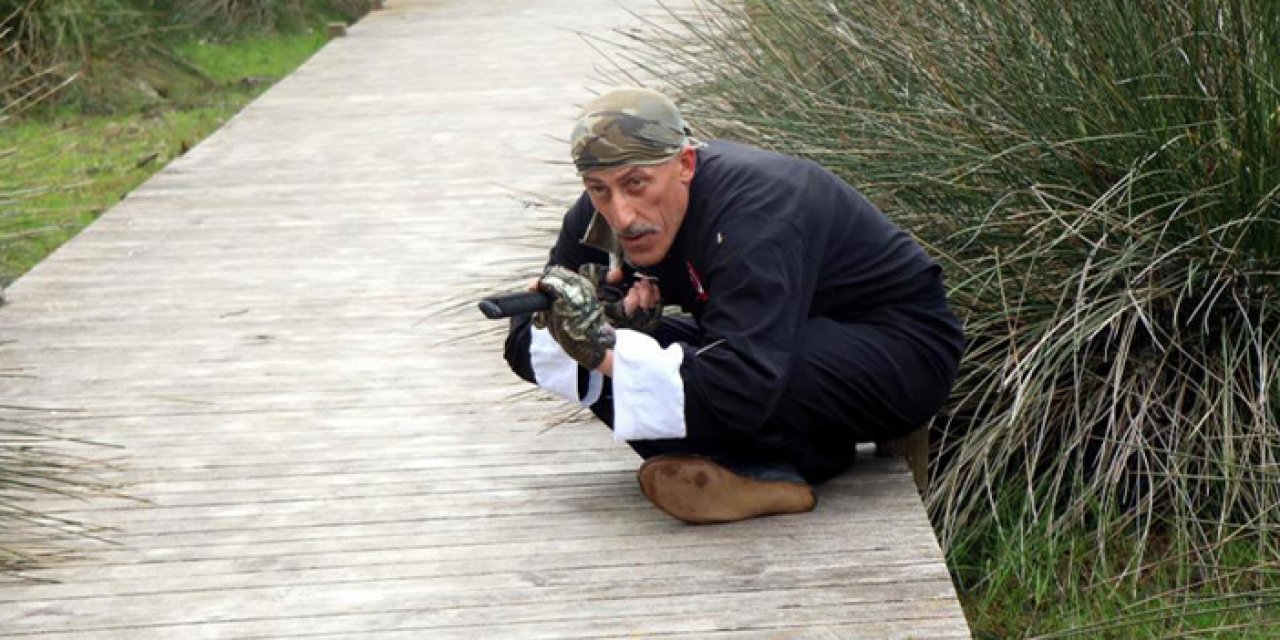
230 16
1100 181
110 46
120 53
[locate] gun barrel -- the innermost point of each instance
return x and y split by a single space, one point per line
514 304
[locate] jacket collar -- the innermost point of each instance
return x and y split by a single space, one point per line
600 236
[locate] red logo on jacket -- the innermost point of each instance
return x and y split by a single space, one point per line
696 281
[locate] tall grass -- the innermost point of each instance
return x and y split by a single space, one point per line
112 47
237 16
1101 181
120 53
36 462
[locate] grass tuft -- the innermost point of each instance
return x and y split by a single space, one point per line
1101 182
37 462
102 55
238 17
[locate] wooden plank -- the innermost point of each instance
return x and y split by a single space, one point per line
724 604
317 436
606 559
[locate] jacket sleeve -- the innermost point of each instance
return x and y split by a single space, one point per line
516 350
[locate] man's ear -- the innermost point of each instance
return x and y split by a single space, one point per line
688 164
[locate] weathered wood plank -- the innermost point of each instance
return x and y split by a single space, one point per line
588 560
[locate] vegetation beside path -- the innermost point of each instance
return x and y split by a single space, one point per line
1101 181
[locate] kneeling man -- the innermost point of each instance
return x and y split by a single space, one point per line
810 322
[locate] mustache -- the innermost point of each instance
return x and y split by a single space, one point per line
636 230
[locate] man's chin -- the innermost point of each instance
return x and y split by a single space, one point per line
642 258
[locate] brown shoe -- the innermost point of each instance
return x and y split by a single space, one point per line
700 491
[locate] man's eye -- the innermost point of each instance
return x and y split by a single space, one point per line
596 191
636 183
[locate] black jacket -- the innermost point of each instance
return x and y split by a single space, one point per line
767 241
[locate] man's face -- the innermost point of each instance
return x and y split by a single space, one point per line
644 205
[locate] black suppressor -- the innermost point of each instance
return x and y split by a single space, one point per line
514 304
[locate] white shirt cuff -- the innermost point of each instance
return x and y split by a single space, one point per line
556 372
648 392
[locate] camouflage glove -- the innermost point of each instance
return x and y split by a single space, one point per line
575 320
611 299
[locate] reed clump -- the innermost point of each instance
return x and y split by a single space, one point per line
1101 182
111 46
105 56
227 17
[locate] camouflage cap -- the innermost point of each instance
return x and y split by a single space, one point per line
627 127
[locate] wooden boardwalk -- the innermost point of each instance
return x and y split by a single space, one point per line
320 433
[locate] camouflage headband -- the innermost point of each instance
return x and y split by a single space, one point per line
628 127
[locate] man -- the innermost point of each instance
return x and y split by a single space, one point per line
813 324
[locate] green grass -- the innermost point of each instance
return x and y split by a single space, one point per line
269 56
66 167
1030 584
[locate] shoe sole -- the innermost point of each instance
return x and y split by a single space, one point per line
699 491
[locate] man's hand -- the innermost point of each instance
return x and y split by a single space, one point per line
575 319
640 309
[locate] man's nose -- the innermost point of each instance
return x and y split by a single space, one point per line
624 213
